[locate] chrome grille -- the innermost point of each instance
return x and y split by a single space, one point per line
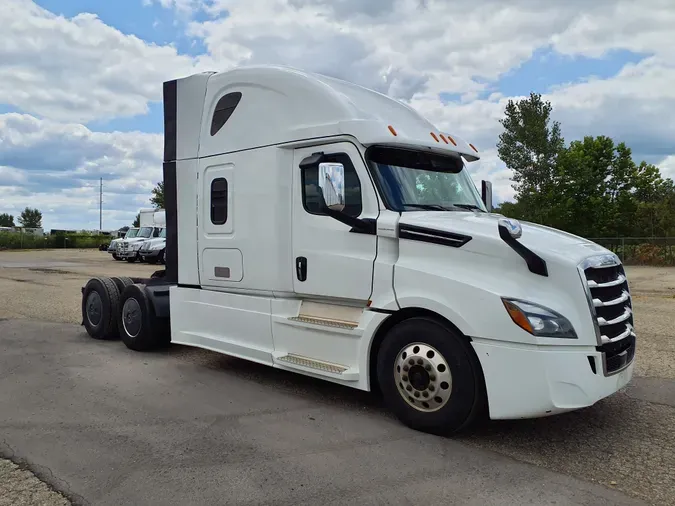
611 307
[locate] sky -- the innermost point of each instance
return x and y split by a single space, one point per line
81 80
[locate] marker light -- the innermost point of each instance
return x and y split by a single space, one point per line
452 140
473 147
391 129
434 136
444 139
538 320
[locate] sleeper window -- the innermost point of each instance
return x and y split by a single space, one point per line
224 109
311 193
219 201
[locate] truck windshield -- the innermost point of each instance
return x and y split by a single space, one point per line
133 232
412 180
145 232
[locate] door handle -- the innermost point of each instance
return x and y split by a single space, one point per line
301 268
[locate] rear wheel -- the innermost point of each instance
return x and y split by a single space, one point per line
121 282
139 327
430 376
132 259
100 305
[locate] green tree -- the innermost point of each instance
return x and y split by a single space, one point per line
530 145
6 220
30 218
157 198
137 221
592 187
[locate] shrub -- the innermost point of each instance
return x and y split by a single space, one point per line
14 240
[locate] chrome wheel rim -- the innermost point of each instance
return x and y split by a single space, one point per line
132 317
423 377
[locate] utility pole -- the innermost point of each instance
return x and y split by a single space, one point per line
100 207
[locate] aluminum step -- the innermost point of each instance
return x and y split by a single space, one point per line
325 322
319 366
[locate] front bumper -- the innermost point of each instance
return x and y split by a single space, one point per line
150 253
127 253
536 381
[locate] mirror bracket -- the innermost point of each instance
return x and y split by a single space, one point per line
312 160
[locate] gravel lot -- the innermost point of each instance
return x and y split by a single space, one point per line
625 443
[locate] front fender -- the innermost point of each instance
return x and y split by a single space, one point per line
466 288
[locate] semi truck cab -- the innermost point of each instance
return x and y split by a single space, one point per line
322 228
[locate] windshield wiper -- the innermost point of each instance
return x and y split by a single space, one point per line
430 207
469 206
438 207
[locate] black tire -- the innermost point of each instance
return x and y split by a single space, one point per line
152 260
132 259
139 327
466 398
121 282
100 307
114 255
162 257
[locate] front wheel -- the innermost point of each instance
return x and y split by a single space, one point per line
430 376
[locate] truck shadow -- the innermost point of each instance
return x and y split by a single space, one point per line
531 433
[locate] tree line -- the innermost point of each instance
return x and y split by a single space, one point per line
592 187
29 218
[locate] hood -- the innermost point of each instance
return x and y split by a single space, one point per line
154 241
483 228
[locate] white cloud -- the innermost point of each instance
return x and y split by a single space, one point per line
667 167
78 69
56 167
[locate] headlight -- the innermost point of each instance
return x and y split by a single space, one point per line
539 321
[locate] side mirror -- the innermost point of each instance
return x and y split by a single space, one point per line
486 194
332 184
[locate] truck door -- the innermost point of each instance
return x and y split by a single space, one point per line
331 261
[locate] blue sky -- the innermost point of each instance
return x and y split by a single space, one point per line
80 80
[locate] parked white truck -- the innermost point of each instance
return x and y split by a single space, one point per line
151 221
112 247
154 250
322 228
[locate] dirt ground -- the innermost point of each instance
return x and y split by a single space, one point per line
625 442
45 285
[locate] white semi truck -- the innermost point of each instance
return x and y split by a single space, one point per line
322 228
152 222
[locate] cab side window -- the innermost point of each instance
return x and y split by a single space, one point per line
311 192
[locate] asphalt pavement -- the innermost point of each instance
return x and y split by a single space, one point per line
108 426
